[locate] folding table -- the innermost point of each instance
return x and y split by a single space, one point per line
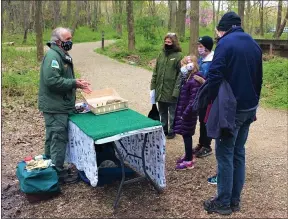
138 141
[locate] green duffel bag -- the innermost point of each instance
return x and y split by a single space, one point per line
38 181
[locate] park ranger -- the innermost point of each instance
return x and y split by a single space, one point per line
56 98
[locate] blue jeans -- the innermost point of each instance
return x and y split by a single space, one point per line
230 155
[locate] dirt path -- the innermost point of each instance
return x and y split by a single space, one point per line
265 192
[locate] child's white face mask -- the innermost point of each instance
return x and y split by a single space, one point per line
185 68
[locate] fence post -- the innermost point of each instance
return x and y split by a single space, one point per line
102 40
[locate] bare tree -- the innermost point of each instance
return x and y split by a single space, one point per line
241 8
181 15
130 25
68 13
119 6
173 12
39 30
261 11
218 11
282 26
213 8
56 13
76 19
26 16
279 18
247 17
194 26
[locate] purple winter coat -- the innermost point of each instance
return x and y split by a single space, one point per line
185 117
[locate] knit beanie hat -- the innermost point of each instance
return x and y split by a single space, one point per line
207 42
229 20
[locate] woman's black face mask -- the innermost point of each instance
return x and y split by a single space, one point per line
169 47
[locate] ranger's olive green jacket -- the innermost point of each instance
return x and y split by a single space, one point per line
166 78
57 89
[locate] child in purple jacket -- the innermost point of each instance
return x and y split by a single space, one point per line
185 118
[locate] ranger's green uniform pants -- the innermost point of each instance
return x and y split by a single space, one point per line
56 125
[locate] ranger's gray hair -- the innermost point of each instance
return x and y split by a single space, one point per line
58 32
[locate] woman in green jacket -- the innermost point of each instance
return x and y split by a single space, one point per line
166 82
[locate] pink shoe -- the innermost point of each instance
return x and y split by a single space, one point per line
185 165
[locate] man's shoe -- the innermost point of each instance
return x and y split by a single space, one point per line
69 179
204 152
212 207
235 207
197 148
171 135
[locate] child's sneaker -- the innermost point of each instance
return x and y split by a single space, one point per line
212 180
185 165
181 159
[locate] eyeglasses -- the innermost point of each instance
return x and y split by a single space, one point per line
171 34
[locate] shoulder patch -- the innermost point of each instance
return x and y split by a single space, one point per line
55 64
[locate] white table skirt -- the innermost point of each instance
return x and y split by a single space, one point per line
81 152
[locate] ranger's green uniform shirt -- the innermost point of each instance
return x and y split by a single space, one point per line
166 78
57 89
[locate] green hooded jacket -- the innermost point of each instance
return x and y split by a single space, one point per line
57 88
166 78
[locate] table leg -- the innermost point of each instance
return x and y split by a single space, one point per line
123 176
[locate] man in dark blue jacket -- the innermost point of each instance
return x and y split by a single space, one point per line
238 60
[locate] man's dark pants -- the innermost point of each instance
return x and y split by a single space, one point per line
230 155
56 140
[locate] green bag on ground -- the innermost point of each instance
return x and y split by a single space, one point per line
38 180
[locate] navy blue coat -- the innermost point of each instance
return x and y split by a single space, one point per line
221 119
238 60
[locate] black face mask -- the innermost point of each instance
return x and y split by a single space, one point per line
67 45
169 47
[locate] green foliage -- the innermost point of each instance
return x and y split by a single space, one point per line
274 92
147 26
275 83
82 34
20 74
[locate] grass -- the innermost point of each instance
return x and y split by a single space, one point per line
20 75
82 34
275 83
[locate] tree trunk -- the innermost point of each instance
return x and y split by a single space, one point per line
261 10
95 13
218 11
194 27
173 15
213 8
241 8
247 17
282 26
181 15
68 14
56 11
279 18
119 22
170 15
26 16
130 25
39 30
76 19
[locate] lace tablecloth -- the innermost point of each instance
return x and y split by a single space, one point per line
81 152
